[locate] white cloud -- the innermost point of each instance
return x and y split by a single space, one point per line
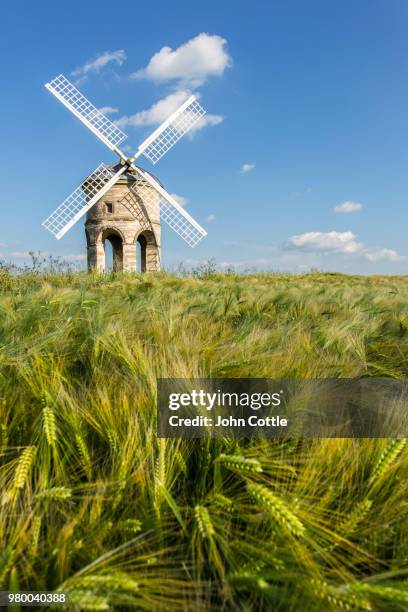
158 112
384 255
181 200
108 110
247 168
161 110
205 121
348 207
211 217
341 242
102 60
191 63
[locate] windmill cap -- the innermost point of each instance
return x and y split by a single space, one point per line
129 176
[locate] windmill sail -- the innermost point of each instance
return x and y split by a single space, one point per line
170 132
170 211
86 112
81 200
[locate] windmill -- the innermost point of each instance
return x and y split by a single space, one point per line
144 199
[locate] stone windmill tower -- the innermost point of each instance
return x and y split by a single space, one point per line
124 220
123 203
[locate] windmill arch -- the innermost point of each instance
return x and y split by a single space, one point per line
116 240
147 251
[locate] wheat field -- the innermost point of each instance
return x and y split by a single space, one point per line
93 504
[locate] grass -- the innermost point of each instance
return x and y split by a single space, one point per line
94 504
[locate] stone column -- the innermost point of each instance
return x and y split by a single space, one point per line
152 257
129 257
96 257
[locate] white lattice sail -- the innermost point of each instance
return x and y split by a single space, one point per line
170 132
190 232
86 112
81 200
170 211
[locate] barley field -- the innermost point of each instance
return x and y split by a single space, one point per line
93 504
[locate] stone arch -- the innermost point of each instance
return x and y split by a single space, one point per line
149 251
116 239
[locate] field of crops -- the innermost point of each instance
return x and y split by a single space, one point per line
93 504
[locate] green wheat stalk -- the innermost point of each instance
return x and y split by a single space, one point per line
355 518
84 455
24 465
388 457
240 464
50 426
277 508
204 523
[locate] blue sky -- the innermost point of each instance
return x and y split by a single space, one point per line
313 95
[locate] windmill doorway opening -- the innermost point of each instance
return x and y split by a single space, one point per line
147 252
141 244
113 246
